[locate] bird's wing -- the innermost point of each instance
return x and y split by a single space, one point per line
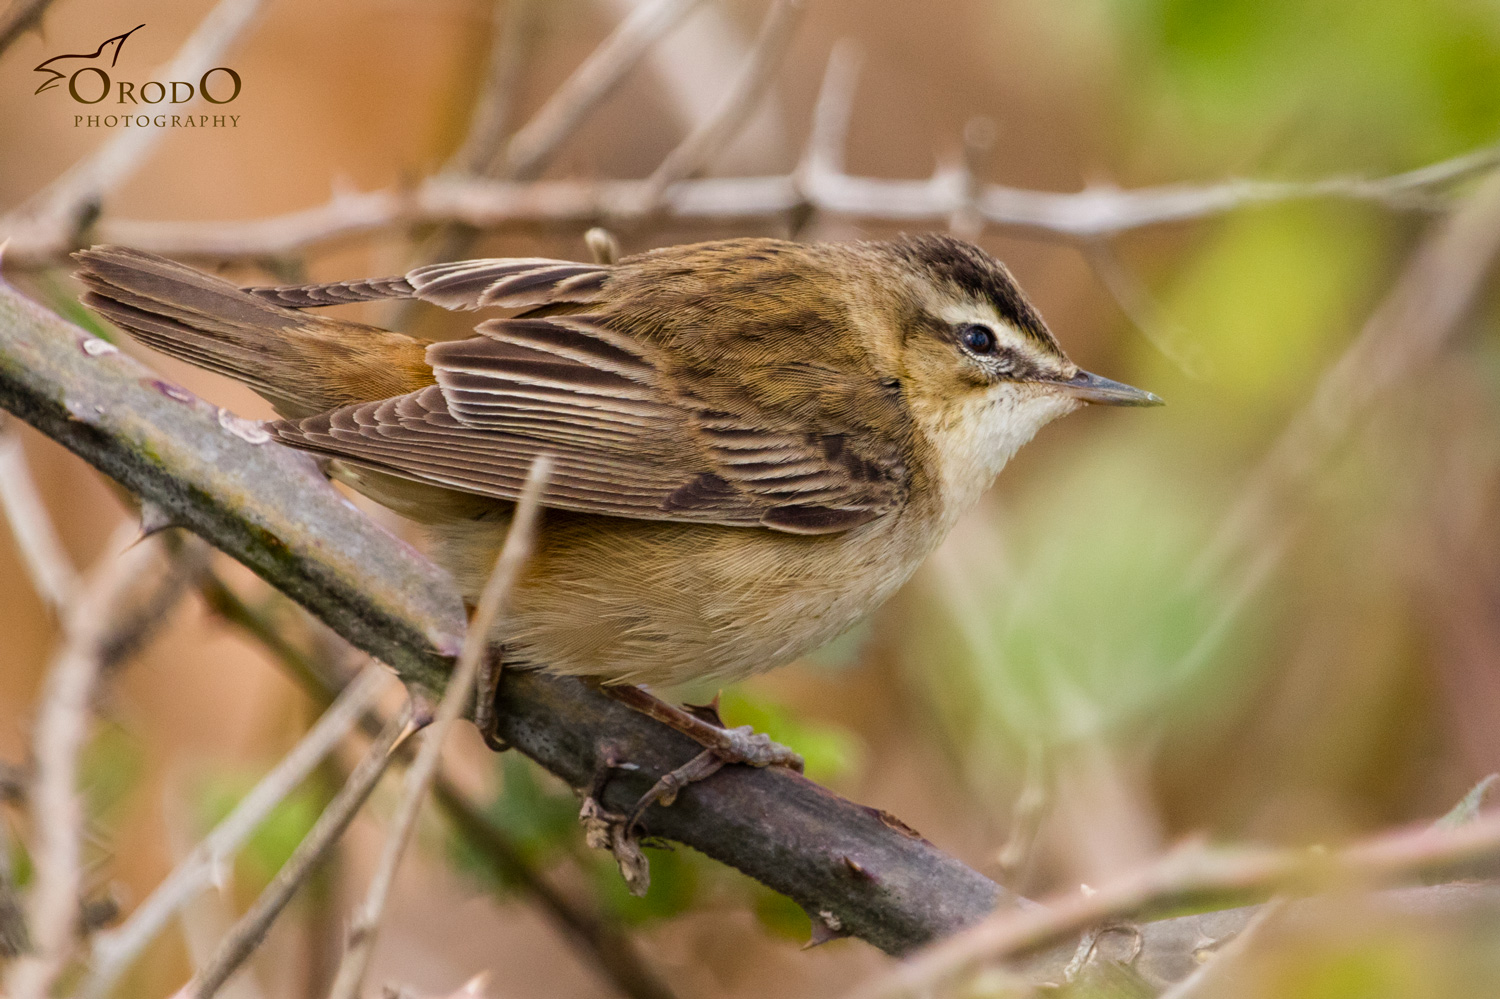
626 438
501 282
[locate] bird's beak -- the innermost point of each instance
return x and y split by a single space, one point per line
1092 388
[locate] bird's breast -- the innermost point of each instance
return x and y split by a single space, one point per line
666 603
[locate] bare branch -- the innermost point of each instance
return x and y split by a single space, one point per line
19 16
62 726
1198 877
517 549
719 129
484 204
55 213
115 950
819 183
51 571
250 931
529 150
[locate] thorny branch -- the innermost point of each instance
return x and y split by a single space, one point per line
62 726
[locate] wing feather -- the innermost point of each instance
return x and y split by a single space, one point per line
625 439
500 282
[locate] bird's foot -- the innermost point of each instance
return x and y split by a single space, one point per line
606 830
703 725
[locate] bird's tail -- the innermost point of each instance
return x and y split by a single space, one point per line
302 364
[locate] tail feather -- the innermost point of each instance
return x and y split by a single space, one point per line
302 364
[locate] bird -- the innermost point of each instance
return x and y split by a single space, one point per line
755 442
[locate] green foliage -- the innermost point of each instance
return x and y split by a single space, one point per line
830 752
1268 301
111 768
1380 83
1086 624
65 303
540 816
780 916
219 790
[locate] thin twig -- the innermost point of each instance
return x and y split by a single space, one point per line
479 155
207 916
819 183
1198 877
62 726
514 554
20 16
116 949
58 210
52 572
716 131
1135 300
251 930
529 150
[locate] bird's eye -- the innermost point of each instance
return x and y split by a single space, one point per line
978 338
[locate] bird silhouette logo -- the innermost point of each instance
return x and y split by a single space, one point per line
56 76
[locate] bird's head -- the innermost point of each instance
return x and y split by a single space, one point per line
980 370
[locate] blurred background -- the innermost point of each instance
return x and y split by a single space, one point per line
1071 685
